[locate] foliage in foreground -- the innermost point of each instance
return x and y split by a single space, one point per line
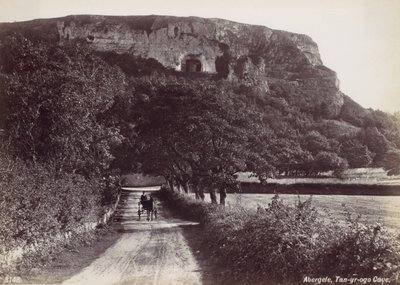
56 144
41 211
283 244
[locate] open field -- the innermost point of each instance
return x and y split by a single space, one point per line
374 209
365 176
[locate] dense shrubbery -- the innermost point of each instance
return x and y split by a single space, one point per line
38 208
56 144
283 244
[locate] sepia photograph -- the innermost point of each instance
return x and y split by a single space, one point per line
242 142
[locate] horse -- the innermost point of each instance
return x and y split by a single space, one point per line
150 207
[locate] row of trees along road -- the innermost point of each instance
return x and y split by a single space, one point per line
199 133
195 133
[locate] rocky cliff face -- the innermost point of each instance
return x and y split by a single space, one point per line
170 40
254 55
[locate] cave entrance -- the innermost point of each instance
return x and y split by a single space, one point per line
193 65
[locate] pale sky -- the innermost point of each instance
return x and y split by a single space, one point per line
359 39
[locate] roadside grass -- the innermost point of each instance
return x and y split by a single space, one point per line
71 258
283 244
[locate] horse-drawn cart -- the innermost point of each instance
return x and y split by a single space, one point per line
149 206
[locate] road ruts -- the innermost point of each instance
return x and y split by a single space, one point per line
148 252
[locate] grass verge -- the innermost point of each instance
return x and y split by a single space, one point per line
71 258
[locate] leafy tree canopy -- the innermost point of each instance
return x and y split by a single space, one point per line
55 99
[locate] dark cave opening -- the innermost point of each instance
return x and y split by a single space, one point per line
193 65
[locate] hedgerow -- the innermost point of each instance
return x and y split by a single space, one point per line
283 244
57 142
40 211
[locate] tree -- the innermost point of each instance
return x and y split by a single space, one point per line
315 142
391 161
55 99
325 161
288 156
376 142
357 154
200 134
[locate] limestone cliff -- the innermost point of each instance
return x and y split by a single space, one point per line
254 55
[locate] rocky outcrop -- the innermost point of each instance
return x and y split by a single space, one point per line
250 73
170 43
253 55
169 39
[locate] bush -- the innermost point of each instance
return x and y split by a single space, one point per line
38 207
282 244
186 206
360 250
42 253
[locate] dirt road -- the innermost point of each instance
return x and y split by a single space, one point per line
148 252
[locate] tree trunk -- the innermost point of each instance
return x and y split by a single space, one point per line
196 191
213 196
171 185
185 187
201 193
222 196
